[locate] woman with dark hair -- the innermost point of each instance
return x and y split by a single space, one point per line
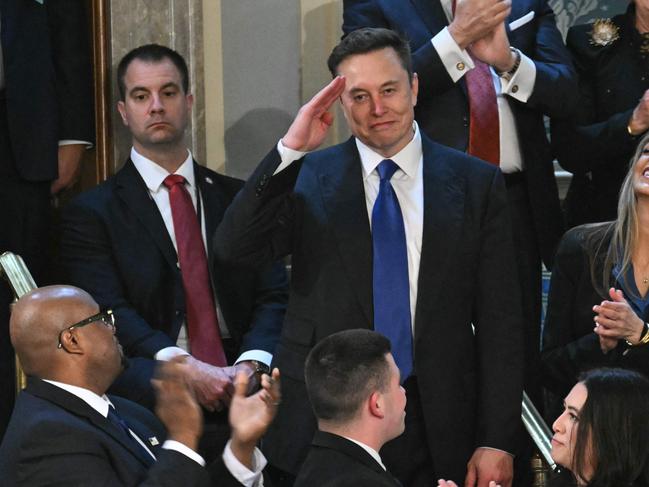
602 436
611 57
599 302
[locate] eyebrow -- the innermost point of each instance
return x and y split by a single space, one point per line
571 408
387 83
170 84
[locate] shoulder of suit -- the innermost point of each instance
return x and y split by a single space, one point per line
574 241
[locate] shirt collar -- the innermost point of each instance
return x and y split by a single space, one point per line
153 174
371 451
98 403
408 158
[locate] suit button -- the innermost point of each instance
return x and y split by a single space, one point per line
515 89
178 312
460 66
465 121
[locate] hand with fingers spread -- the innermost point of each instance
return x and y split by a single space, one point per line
212 385
250 416
488 465
176 405
474 19
313 120
616 320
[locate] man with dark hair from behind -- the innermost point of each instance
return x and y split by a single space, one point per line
353 385
66 431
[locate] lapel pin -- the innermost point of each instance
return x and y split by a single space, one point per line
209 180
153 441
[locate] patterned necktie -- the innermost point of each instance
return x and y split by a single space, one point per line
484 125
390 271
202 322
117 420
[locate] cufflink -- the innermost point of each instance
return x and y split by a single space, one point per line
460 66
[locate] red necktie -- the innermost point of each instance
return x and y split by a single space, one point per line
484 130
202 322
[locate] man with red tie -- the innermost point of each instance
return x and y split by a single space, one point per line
137 243
489 71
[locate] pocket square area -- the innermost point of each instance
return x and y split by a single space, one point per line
515 24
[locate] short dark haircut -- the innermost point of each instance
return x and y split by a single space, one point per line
367 39
343 370
615 422
151 53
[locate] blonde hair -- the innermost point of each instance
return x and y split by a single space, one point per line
619 250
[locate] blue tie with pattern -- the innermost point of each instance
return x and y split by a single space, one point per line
390 271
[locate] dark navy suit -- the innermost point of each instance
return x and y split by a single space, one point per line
47 98
56 439
315 210
115 245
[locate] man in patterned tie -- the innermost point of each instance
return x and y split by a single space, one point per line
137 243
392 232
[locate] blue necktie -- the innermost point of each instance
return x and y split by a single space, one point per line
390 267
117 420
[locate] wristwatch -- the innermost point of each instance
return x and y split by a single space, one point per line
260 367
508 75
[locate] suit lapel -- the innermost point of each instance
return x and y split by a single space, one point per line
213 206
443 212
343 196
132 190
431 13
78 407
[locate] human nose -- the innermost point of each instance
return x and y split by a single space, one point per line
378 108
156 104
557 426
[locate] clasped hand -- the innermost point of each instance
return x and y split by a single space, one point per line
615 320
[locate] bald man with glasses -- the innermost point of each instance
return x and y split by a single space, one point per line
66 431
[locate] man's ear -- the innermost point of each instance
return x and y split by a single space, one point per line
414 88
122 111
70 342
376 404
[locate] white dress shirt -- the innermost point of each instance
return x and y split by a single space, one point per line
371 451
247 477
153 175
457 62
408 184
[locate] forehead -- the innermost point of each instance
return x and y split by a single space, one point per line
577 396
147 74
374 67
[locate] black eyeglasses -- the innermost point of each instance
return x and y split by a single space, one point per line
106 317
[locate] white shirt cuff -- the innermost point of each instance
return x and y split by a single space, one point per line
249 478
258 355
521 85
75 142
180 448
456 61
168 353
287 155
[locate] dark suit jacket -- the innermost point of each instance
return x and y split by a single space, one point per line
56 439
594 143
316 211
443 109
48 80
569 344
335 461
115 245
